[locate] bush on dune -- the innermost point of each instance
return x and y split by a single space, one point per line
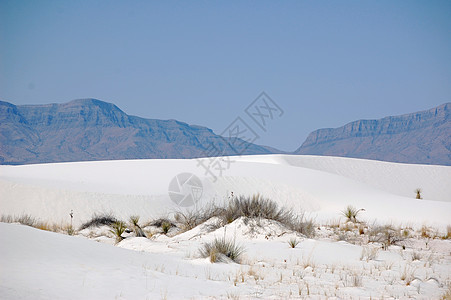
98 220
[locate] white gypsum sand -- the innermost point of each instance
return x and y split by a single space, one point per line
336 263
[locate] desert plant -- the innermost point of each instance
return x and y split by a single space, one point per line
191 218
25 219
7 219
386 235
98 220
425 232
448 232
165 226
220 248
301 225
255 207
418 193
134 222
118 228
351 213
70 230
293 242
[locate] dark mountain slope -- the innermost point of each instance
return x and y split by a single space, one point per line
423 137
90 129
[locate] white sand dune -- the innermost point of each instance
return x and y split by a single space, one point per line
319 186
36 264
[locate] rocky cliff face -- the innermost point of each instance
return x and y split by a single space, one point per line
423 137
90 129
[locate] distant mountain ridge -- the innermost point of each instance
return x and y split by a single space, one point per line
423 137
90 129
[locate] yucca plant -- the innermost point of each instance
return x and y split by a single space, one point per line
165 226
118 229
134 222
351 213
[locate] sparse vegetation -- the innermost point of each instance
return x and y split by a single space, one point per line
351 213
118 228
98 220
387 235
254 207
221 248
369 253
165 226
293 242
418 193
134 222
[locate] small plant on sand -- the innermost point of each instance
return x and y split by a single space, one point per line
118 228
163 223
70 230
165 226
418 193
369 253
221 248
351 213
293 242
134 222
425 232
408 275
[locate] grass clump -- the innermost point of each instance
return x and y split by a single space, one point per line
27 220
351 213
255 207
118 228
293 242
259 207
192 218
221 249
301 225
98 220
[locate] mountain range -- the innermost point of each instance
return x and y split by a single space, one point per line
90 129
423 138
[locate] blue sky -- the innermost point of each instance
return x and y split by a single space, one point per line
325 63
